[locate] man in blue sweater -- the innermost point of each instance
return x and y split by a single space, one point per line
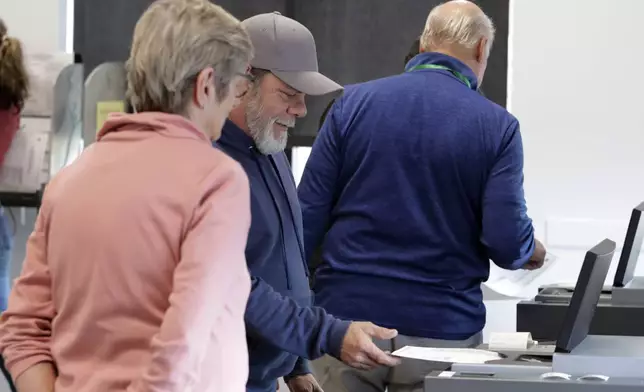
283 330
414 183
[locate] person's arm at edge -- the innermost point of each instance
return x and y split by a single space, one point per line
507 233
318 188
25 330
212 261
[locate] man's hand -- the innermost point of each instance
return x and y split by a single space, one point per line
304 383
537 258
359 351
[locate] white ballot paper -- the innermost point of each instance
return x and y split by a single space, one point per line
510 340
515 283
448 355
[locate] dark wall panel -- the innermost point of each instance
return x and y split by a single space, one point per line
360 40
103 29
495 84
357 40
243 9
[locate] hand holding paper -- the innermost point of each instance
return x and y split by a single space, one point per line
538 257
515 283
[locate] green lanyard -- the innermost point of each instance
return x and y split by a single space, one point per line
458 75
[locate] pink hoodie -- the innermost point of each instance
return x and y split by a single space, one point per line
135 277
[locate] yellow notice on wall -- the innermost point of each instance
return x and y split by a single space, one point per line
104 108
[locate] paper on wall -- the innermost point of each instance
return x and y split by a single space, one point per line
447 355
24 164
516 283
104 108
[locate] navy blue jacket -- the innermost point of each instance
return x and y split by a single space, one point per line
414 183
282 329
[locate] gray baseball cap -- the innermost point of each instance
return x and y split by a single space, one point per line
287 49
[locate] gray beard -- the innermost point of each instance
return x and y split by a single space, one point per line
261 128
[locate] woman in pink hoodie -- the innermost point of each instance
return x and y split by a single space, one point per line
134 277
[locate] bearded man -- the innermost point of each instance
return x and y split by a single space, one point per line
283 330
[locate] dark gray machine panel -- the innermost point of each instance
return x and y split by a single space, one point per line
448 382
632 248
576 323
543 316
544 321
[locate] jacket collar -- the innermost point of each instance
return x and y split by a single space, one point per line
235 137
445 61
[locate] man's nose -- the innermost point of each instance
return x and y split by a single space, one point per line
298 108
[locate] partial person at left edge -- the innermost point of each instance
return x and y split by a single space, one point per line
134 277
14 89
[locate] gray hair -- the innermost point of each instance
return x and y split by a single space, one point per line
173 41
460 27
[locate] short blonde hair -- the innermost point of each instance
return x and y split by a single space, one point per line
461 27
173 41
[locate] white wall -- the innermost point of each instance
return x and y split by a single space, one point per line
40 24
574 87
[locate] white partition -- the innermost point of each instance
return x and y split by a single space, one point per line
66 123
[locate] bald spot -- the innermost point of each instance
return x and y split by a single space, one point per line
456 7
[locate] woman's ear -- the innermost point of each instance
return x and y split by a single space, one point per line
204 87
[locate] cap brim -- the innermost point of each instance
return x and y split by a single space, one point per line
308 82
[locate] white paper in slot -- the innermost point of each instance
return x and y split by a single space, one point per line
448 355
510 341
515 284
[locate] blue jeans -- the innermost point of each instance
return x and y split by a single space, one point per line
6 246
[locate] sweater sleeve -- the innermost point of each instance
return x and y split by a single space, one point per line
508 233
301 368
26 325
318 187
307 332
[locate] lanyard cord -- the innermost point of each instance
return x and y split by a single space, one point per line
458 75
